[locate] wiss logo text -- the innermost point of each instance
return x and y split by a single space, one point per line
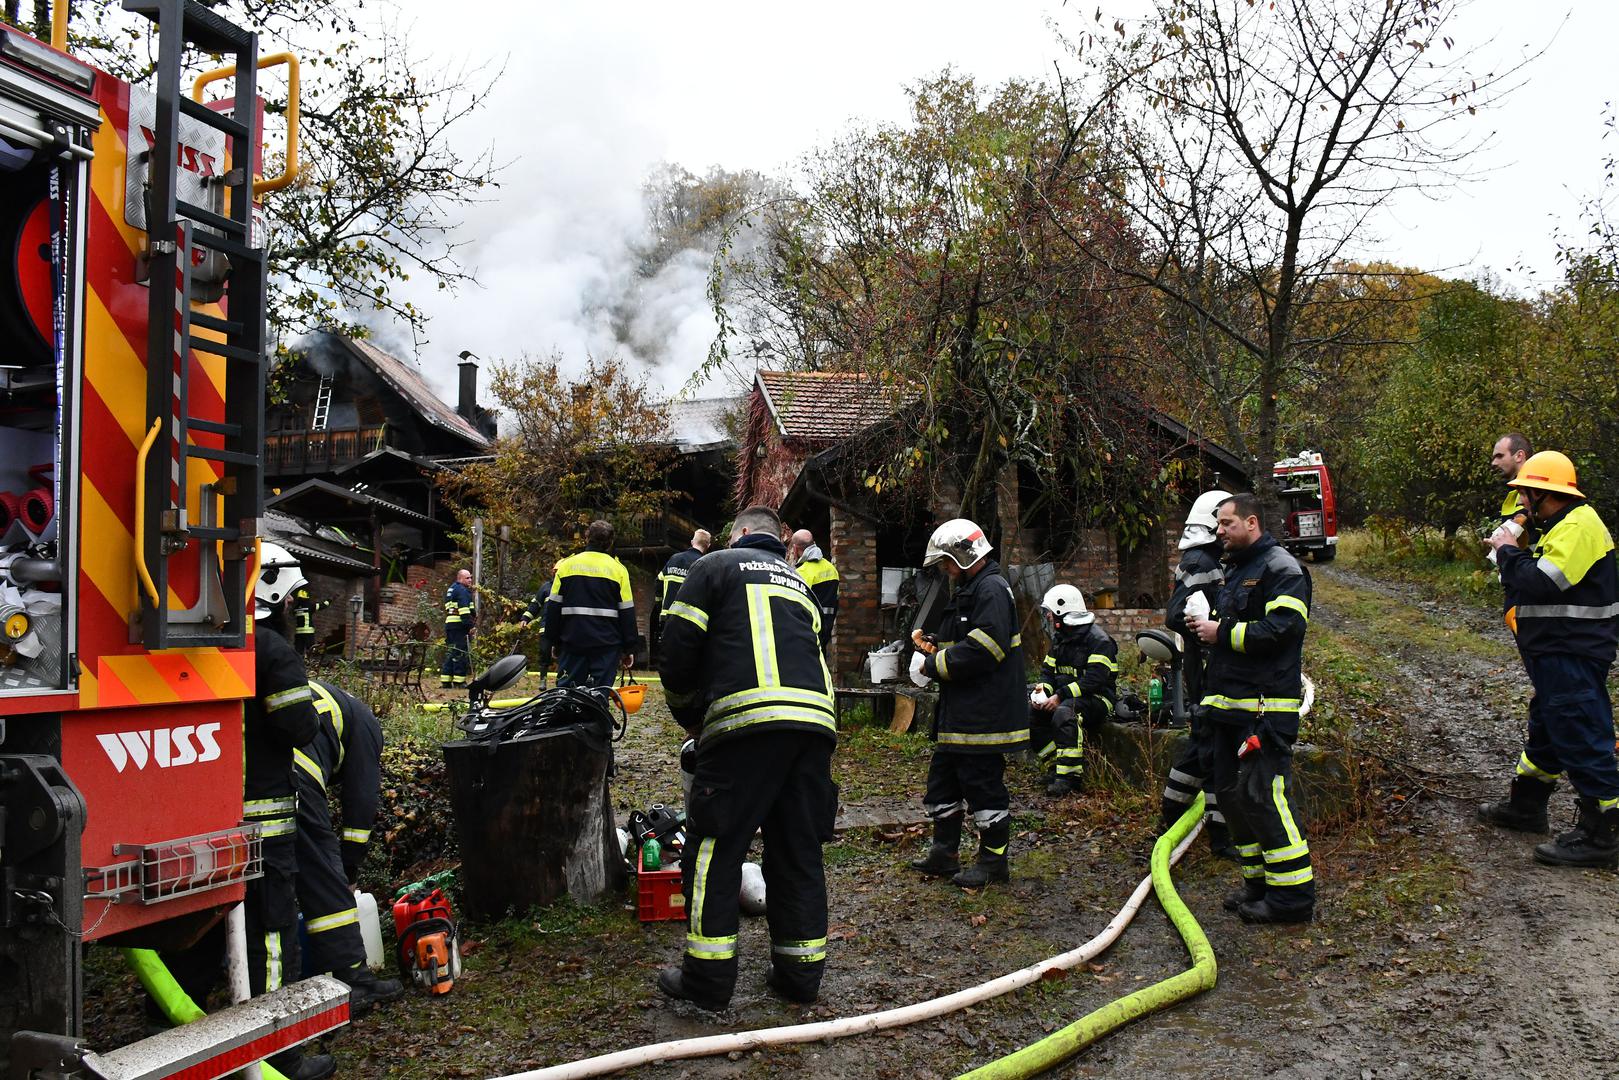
166 748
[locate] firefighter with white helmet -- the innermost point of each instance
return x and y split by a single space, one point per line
1077 690
1200 573
279 719
982 716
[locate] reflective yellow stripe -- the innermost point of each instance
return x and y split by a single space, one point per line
279 827
1291 877
1573 546
712 948
814 698
1073 690
286 698
941 666
357 836
966 738
307 764
1239 637
1529 768
807 951
1291 602
691 614
1292 851
1103 659
763 625
1017 640
699 888
1295 839
1250 704
332 921
983 638
264 807
272 961
767 713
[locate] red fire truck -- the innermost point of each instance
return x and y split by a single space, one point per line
1311 508
132 363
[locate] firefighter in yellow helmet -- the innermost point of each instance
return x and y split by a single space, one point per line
1565 589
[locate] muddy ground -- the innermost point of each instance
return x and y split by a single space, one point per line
1440 948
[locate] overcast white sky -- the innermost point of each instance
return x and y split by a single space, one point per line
595 94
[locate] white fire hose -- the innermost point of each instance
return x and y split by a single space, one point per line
709 1045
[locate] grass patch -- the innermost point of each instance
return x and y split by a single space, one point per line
875 763
1451 570
1375 618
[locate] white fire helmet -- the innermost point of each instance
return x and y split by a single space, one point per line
279 575
1066 605
960 539
1203 519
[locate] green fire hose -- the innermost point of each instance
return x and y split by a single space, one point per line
172 998
1059 1046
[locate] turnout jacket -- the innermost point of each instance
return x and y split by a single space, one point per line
822 578
1200 571
304 608
347 752
1083 662
740 653
1565 587
590 606
277 720
670 578
457 607
983 707
1255 664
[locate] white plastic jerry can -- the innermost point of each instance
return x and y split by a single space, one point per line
370 928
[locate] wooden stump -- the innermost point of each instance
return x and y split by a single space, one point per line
534 821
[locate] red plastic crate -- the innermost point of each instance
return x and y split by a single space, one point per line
659 895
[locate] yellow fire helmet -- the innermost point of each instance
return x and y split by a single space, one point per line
1548 471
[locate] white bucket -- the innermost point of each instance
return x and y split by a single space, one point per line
884 667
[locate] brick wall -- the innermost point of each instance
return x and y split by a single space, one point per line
853 543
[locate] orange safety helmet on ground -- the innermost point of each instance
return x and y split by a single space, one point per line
1548 471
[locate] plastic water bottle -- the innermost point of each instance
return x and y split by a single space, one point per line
370 928
651 854
1155 693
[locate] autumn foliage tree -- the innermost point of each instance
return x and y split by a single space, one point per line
572 449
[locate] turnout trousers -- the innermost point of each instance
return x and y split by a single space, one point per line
270 912
970 783
1058 737
457 659
331 918
1189 772
1571 727
780 782
588 667
1255 795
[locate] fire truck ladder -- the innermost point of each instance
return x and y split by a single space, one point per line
224 523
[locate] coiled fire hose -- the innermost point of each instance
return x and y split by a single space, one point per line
1179 838
1059 1046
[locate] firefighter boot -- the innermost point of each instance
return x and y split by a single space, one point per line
672 981
941 859
1524 808
299 1066
992 864
366 991
1065 784
1252 891
1593 841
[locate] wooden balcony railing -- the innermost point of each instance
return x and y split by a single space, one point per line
289 452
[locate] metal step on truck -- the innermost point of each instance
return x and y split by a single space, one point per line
132 366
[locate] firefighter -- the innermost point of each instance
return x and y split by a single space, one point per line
1251 700
1566 594
1078 688
457 629
346 753
278 720
1507 457
304 609
820 575
744 675
982 713
670 577
1199 572
589 617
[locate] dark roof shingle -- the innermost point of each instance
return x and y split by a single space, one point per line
825 406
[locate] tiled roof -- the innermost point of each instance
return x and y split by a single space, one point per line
702 423
825 406
408 381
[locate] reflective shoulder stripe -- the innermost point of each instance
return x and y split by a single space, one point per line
1103 659
1207 577
286 698
307 764
983 638
1573 546
357 836
690 612
1567 611
1291 602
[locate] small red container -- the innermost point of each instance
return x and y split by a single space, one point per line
658 893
